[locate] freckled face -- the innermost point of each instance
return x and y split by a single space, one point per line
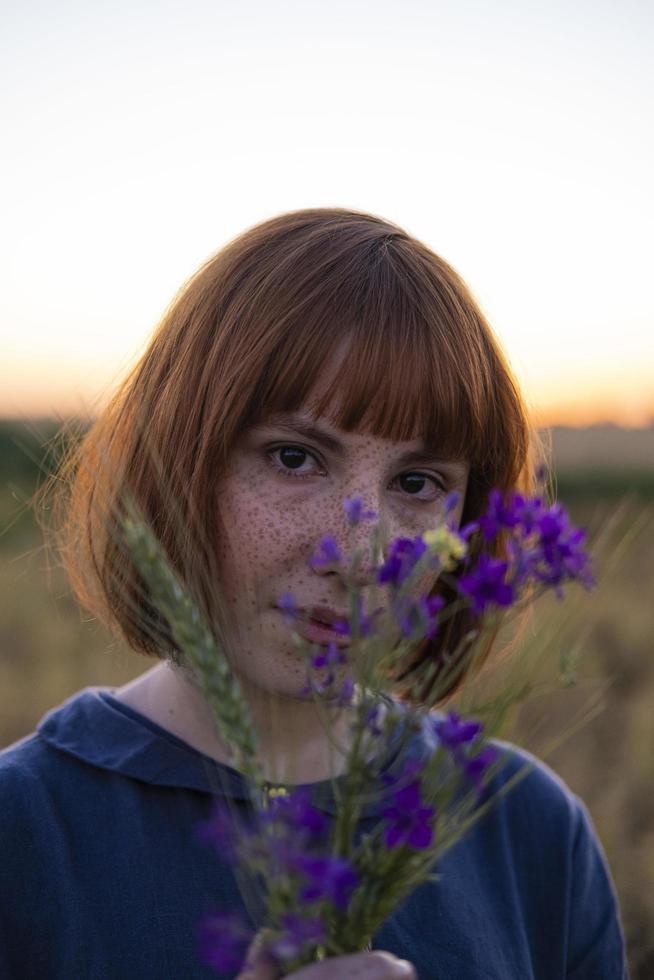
283 491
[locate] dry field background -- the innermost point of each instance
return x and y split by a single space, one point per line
49 649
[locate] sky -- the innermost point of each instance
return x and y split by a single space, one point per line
514 137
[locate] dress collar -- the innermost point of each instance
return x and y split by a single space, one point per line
97 728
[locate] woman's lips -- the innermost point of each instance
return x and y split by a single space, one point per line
316 631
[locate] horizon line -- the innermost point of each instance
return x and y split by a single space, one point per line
540 420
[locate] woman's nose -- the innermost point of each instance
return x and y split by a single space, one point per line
355 533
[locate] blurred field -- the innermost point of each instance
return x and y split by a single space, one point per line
49 650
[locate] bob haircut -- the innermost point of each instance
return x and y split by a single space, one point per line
247 337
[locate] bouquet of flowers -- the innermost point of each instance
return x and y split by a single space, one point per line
326 887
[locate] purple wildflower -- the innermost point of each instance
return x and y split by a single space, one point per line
331 656
451 502
561 554
296 814
221 830
407 613
500 515
409 821
366 623
319 685
425 612
522 559
467 531
543 545
330 878
298 933
356 513
553 525
290 826
459 737
325 685
404 555
325 660
372 718
289 607
475 767
223 940
453 731
528 511
328 552
506 513
347 692
429 606
486 584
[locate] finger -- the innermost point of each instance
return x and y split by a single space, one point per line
375 965
259 965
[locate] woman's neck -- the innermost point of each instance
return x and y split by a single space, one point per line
294 746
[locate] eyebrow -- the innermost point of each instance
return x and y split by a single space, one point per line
312 430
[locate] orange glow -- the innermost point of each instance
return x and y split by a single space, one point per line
594 413
76 389
42 387
624 398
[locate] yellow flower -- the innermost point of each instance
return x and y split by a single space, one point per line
447 545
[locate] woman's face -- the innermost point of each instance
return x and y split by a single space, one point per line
283 491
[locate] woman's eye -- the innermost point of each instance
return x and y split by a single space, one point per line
291 460
296 462
421 485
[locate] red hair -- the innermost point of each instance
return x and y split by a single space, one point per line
247 336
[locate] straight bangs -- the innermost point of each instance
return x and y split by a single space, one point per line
407 367
420 397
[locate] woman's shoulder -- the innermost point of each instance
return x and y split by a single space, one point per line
27 806
536 815
531 784
524 796
23 766
39 770
516 774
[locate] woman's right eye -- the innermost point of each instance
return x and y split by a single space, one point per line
289 460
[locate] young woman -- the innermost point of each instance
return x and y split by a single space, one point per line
322 355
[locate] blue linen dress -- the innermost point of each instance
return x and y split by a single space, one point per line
103 874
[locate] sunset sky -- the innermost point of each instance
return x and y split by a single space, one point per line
515 138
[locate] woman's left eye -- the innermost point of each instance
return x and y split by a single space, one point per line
422 486
297 462
289 460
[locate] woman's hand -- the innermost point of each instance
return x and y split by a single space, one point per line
375 965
